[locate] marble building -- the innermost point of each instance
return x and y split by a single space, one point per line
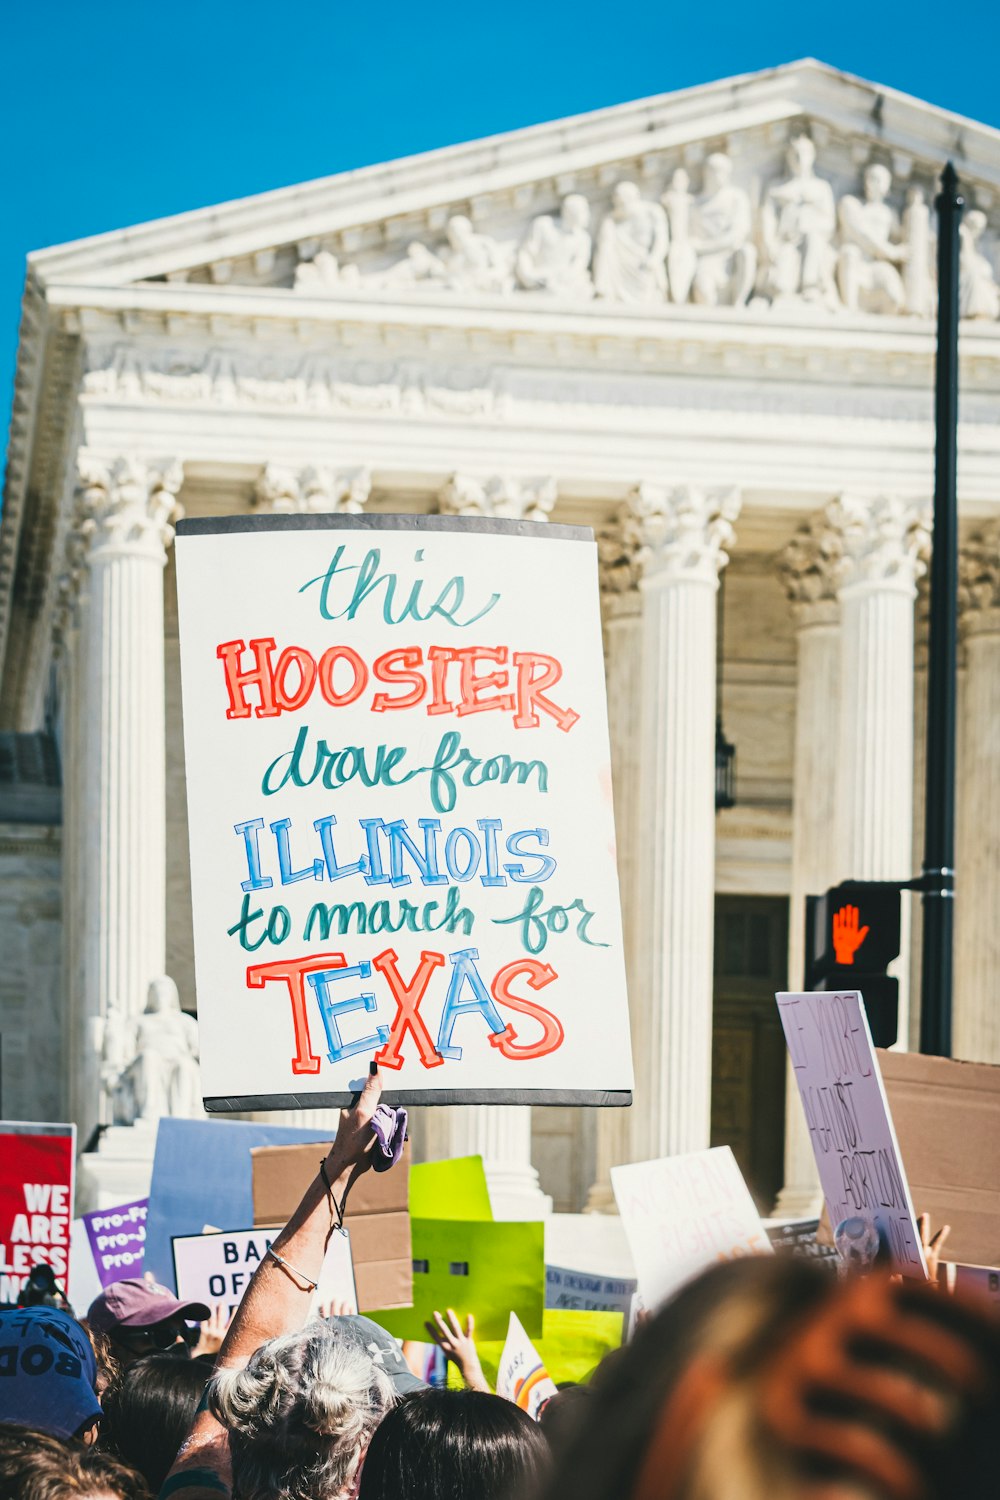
701 324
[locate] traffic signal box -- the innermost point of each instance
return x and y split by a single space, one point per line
852 935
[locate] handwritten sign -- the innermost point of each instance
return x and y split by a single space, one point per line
585 1293
117 1239
36 1202
399 801
847 1112
521 1375
216 1268
681 1214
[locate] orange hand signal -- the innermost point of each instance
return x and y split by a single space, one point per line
847 936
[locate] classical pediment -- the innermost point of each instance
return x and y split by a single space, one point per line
801 188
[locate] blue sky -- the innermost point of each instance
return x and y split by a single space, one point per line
116 112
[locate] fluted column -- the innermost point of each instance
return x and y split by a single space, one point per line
884 540
126 510
80 1075
617 550
976 1026
685 532
808 570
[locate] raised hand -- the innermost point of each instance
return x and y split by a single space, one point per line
847 935
459 1345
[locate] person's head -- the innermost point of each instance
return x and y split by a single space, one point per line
718 171
878 181
40 1290
801 155
35 1466
141 1317
450 1445
148 1412
300 1415
624 198
47 1373
764 1374
575 211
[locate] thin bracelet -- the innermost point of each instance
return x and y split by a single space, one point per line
335 1207
287 1266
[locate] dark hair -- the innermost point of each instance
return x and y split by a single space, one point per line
148 1412
454 1445
37 1466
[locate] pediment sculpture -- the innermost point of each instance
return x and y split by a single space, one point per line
799 247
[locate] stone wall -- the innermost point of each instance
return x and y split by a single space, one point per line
31 988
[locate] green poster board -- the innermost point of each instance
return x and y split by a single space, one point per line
476 1266
450 1190
571 1346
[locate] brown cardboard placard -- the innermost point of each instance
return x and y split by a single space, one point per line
377 1211
947 1117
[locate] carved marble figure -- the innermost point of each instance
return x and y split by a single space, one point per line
164 1073
798 218
681 258
871 252
555 254
324 273
918 275
630 262
726 256
978 293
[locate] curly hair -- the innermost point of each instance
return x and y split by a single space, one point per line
37 1466
300 1415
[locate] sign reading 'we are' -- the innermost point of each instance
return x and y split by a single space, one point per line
399 802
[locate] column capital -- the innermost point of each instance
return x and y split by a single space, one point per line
682 532
312 491
125 508
979 582
619 568
808 566
885 542
503 495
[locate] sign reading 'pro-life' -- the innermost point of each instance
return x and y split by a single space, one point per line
399 801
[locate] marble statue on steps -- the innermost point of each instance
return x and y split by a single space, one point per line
798 219
871 250
162 1075
978 293
555 254
630 262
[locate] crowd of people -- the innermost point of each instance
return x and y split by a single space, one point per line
765 1379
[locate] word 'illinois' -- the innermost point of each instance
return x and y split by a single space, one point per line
436 860
450 675
466 995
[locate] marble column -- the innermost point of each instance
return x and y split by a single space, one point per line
684 533
976 1025
808 569
884 541
81 1074
126 511
617 550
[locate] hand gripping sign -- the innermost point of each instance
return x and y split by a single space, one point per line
399 802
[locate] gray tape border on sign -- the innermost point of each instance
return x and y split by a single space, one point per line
235 1104
553 531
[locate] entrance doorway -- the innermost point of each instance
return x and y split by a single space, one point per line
748 1046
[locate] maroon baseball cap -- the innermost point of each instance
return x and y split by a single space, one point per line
136 1303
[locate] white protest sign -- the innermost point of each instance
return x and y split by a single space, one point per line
216 1268
682 1214
847 1112
578 1289
521 1376
400 811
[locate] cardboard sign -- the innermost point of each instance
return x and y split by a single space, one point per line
521 1375
584 1293
36 1202
377 1216
850 1126
400 811
216 1268
947 1119
473 1266
684 1213
201 1175
117 1239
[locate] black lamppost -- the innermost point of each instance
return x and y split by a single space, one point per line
938 878
725 751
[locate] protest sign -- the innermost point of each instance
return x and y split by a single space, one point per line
684 1213
36 1202
216 1268
571 1347
400 811
377 1209
521 1376
947 1119
473 1266
117 1239
454 1189
585 1293
847 1114
201 1175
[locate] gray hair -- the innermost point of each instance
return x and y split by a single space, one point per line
300 1415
